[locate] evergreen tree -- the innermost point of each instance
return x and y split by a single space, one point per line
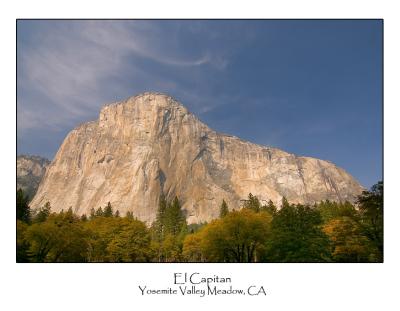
129 215
371 208
296 235
108 211
285 202
43 213
70 214
330 210
22 243
84 217
99 212
23 210
160 217
223 211
116 213
92 213
270 207
174 218
252 203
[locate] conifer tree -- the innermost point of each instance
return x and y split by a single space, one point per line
174 217
223 211
108 211
43 213
160 217
99 212
285 202
371 209
84 217
270 207
252 203
23 210
296 235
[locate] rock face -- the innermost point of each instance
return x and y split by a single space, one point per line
30 170
151 144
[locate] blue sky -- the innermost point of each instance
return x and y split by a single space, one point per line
312 88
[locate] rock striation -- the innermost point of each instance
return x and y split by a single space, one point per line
30 170
151 144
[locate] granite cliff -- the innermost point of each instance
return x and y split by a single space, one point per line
150 143
30 170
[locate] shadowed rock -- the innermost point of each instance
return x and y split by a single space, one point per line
30 170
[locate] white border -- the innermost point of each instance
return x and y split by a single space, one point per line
114 286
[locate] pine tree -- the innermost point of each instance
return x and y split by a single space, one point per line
252 203
129 215
43 213
160 217
116 214
270 207
174 217
99 212
84 217
296 235
92 213
223 211
285 202
23 210
108 211
370 204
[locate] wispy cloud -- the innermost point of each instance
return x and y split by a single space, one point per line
73 67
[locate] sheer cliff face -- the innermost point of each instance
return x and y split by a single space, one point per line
151 144
30 170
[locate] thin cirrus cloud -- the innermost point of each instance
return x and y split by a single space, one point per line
70 67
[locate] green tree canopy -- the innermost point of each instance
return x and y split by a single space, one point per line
174 218
42 213
23 210
60 238
296 235
252 203
370 204
99 212
269 207
108 210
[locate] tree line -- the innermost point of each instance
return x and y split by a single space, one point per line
324 232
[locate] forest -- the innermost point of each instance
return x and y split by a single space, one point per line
324 232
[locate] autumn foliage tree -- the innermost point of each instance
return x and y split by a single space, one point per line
348 242
59 238
240 236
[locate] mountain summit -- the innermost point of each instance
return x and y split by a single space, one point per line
151 144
